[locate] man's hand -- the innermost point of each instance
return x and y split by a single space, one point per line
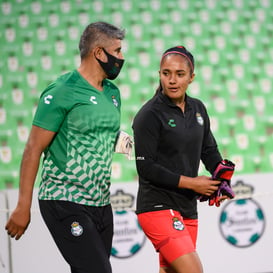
18 223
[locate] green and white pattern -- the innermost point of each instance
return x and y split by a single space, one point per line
77 165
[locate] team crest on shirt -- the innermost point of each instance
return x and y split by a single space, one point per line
115 102
177 224
199 119
76 229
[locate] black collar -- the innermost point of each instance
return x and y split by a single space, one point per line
169 102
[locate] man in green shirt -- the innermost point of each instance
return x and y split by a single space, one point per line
75 127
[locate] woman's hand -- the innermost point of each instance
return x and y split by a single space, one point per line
201 184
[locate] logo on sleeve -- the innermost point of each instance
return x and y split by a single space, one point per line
47 99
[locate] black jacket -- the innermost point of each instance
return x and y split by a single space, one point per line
170 143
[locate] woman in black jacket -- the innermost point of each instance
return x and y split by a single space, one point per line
172 134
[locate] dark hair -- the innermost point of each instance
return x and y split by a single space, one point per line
98 34
158 89
180 50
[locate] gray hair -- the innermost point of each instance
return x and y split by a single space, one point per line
98 34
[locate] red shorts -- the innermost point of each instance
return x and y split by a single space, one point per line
170 233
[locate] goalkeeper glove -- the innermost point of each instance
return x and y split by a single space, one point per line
223 172
124 144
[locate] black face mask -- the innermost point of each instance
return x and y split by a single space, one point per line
112 67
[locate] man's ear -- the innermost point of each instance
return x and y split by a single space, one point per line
98 53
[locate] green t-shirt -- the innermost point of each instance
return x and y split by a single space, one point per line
77 164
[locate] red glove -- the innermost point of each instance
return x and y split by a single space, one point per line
223 172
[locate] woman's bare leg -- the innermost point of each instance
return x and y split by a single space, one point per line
188 263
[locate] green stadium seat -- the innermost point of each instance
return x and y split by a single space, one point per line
265 85
231 42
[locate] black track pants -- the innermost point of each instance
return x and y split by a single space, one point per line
82 233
